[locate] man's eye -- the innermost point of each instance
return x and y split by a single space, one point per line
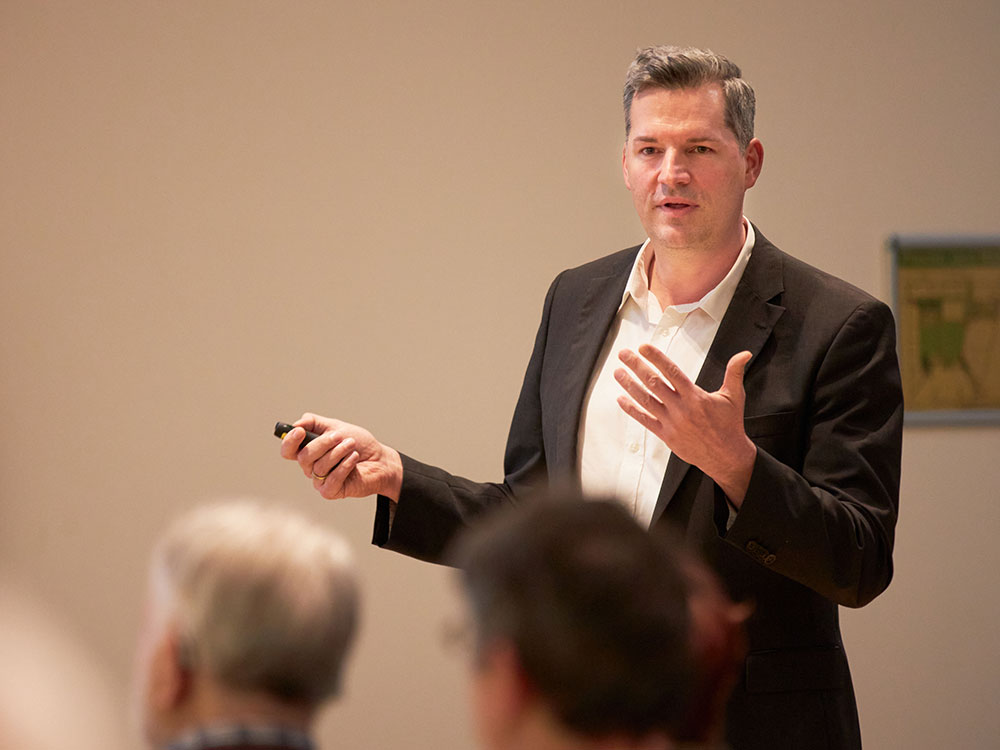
702 150
647 151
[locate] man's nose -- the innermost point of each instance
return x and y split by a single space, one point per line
674 169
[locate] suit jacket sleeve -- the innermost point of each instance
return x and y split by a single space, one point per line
826 517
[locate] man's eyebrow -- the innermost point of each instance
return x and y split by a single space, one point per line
692 139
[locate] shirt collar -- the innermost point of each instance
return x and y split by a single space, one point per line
714 303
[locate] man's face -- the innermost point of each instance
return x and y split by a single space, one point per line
685 169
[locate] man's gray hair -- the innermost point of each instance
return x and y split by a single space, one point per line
264 599
670 67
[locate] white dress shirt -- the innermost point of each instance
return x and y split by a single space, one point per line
617 455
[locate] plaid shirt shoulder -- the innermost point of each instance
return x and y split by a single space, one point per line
243 737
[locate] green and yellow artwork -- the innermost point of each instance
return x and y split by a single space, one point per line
948 310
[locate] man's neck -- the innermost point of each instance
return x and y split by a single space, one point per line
210 704
542 732
678 276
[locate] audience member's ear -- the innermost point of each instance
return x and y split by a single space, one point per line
169 675
502 692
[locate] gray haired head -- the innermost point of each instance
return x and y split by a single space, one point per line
263 599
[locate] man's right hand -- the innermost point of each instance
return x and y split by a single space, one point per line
366 466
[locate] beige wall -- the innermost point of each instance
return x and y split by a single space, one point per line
219 214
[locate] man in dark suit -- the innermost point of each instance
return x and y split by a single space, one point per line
250 615
709 381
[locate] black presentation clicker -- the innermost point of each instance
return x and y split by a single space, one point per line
283 428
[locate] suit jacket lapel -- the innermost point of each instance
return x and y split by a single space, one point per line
600 298
746 325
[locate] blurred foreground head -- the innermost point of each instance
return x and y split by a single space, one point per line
54 691
250 616
590 630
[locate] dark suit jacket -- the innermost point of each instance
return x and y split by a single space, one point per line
824 407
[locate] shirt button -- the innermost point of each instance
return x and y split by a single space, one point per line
633 447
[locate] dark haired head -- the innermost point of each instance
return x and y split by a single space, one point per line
687 67
597 610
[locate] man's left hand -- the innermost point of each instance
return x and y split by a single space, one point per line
705 429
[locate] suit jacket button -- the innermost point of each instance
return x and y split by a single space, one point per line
769 560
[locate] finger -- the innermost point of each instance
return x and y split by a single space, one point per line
646 375
309 421
641 416
668 368
310 454
641 395
316 423
327 462
332 485
732 383
291 442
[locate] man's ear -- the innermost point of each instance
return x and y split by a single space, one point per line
754 162
503 692
169 675
515 684
628 182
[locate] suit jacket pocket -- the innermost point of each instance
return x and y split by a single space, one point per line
781 670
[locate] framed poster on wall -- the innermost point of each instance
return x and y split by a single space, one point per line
946 297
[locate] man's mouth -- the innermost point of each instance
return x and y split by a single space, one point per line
676 205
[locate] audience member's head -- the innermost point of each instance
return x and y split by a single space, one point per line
590 630
250 615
